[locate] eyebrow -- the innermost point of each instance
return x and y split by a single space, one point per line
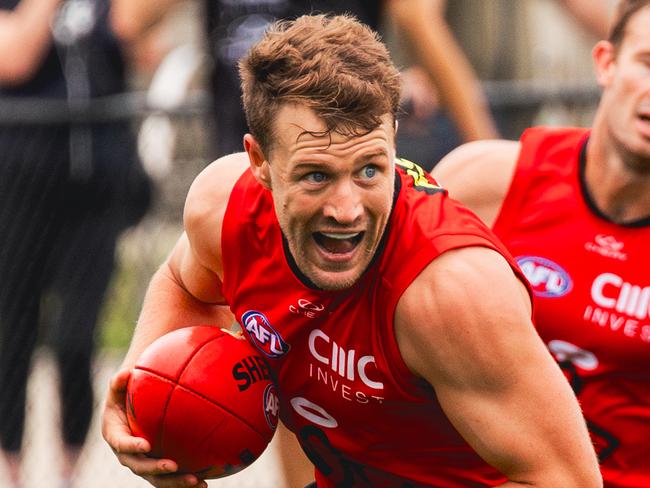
306 165
378 153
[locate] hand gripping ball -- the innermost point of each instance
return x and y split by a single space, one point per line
204 398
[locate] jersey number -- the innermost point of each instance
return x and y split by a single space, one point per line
342 472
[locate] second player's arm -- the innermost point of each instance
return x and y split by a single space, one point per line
464 325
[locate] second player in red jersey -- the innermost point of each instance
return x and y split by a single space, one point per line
593 297
573 207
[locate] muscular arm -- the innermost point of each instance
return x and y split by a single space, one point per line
185 291
478 174
475 344
25 37
436 50
171 303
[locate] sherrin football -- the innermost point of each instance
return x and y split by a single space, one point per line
204 398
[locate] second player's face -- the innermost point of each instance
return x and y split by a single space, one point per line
628 91
332 194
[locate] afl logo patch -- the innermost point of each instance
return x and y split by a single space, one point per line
547 278
271 406
260 332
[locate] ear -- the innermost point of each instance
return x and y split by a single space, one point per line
259 165
604 56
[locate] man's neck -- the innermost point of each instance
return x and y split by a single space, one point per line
618 190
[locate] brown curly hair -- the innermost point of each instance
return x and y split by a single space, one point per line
334 65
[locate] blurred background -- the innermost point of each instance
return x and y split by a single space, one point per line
107 115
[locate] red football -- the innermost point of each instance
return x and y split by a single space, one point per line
204 398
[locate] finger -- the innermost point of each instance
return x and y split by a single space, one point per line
117 386
119 380
176 481
116 431
125 443
146 466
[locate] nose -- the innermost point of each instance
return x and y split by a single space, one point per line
344 205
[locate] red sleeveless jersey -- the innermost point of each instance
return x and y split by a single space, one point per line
362 418
591 281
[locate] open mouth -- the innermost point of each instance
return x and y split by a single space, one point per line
338 243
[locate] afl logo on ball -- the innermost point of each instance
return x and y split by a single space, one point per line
258 329
547 278
271 406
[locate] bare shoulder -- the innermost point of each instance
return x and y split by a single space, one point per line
478 174
206 204
466 303
210 190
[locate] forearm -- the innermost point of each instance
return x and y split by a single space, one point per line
545 483
553 478
461 95
25 37
594 16
131 19
437 51
168 306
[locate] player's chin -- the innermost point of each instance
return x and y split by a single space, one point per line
335 277
333 270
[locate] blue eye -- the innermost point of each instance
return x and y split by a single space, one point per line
315 177
370 171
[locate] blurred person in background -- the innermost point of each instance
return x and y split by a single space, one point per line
442 72
573 206
67 191
435 122
443 102
526 51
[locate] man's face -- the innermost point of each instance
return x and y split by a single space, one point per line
627 91
332 194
